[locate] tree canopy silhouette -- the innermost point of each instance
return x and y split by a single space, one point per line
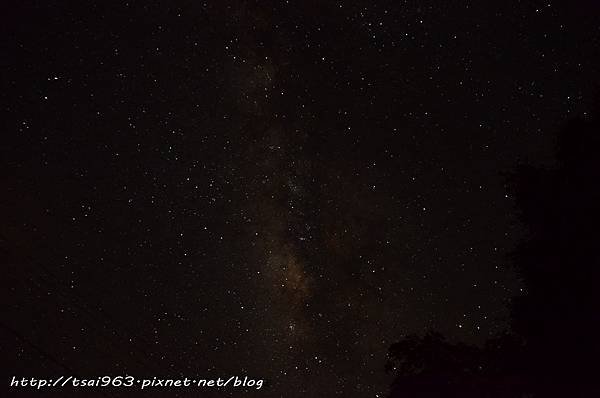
554 347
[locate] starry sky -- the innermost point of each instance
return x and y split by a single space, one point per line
279 189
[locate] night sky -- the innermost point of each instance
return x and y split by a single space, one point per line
273 189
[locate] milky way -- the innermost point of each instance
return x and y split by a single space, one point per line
279 190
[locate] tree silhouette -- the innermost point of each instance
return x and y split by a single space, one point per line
554 348
430 366
559 315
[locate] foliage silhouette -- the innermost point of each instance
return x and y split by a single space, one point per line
554 348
